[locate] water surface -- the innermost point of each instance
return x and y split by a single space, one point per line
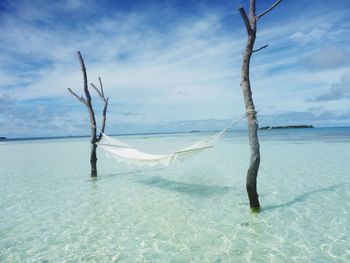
51 211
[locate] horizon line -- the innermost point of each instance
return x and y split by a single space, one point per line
4 138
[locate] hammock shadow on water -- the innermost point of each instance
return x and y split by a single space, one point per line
135 172
301 198
186 188
105 176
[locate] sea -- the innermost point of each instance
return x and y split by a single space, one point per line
193 211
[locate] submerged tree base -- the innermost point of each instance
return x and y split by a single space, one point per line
255 209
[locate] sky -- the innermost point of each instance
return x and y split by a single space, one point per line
170 65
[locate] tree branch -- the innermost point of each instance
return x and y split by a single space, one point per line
102 96
246 20
99 79
103 120
81 99
260 48
269 9
252 15
99 93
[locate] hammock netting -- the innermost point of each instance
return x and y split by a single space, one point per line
126 153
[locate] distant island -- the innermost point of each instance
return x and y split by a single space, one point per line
2 138
286 127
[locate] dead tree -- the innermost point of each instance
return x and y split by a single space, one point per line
88 103
250 24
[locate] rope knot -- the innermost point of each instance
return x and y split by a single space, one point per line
249 112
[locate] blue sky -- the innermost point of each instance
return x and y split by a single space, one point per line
170 65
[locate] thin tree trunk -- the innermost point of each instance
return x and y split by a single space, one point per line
93 160
252 129
252 173
87 102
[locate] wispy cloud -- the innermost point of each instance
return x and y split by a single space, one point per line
182 67
338 91
327 58
34 118
6 103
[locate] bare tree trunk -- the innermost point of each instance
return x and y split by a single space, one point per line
250 24
252 173
93 160
88 104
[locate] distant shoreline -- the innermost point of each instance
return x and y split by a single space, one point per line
86 136
153 133
287 127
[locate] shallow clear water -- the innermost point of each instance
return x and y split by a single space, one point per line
196 211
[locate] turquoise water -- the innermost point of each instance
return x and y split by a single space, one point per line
196 211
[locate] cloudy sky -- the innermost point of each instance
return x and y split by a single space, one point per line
170 65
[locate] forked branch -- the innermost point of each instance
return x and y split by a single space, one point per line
269 9
245 20
100 92
88 103
96 89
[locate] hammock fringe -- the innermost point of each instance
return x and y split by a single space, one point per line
126 153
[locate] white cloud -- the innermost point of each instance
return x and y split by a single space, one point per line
188 69
327 58
310 35
338 91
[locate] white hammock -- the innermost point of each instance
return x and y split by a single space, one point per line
126 153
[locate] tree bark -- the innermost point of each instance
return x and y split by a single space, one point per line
251 180
93 160
104 112
252 174
87 102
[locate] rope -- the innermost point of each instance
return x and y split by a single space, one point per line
134 155
236 120
249 112
233 122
